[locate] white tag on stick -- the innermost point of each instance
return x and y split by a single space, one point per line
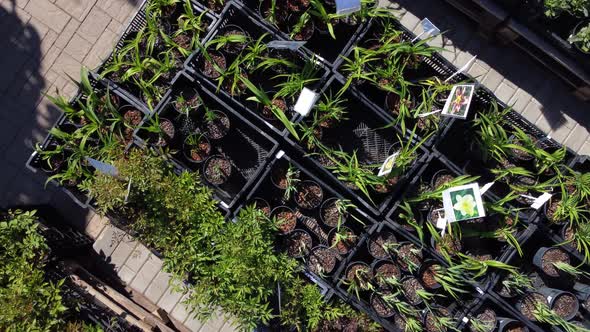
103 167
428 29
346 7
486 187
539 201
388 164
306 100
285 44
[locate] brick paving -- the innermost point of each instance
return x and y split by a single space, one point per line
44 42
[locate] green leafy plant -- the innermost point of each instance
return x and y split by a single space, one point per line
554 8
517 283
543 314
582 38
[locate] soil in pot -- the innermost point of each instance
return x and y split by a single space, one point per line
309 195
279 177
441 177
331 214
184 105
382 245
102 108
380 306
196 148
208 66
359 273
428 275
449 244
53 163
515 326
385 271
552 207
409 258
217 170
410 288
565 305
217 125
342 240
487 319
286 219
393 103
322 260
305 32
168 132
261 204
518 153
131 116
430 320
528 302
551 256
298 244
267 112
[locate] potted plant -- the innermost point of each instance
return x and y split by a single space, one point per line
484 321
261 204
217 170
382 245
308 195
343 239
546 257
413 291
299 243
580 37
358 278
334 211
285 218
386 273
322 260
196 147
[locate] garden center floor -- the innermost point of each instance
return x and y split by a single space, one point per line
45 41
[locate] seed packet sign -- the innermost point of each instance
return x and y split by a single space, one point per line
463 203
459 100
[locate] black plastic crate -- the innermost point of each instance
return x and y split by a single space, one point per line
34 163
321 44
308 220
366 131
245 146
137 24
456 308
435 66
235 15
510 300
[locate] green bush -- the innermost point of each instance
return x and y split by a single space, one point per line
27 301
578 8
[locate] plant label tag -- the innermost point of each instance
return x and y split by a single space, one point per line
388 164
280 154
347 7
305 102
459 100
539 201
128 191
441 223
103 167
463 203
463 69
285 44
429 113
428 29
486 187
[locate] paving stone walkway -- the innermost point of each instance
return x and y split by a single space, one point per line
511 74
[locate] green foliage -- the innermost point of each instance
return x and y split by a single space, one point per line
27 301
554 8
582 38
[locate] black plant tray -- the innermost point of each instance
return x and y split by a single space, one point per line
247 148
35 160
233 14
135 25
490 301
369 133
457 308
308 220
540 238
435 66
321 44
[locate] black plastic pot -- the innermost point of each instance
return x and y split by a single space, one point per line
299 234
194 94
327 204
299 199
218 127
490 327
508 323
309 26
233 50
222 176
164 137
411 281
377 264
186 149
529 298
582 291
423 269
576 29
284 209
376 299
260 204
538 260
438 174
313 260
386 235
346 247
553 296
221 62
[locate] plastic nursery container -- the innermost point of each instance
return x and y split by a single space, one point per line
506 317
363 255
321 44
235 17
547 286
244 146
435 66
308 221
138 23
35 162
365 131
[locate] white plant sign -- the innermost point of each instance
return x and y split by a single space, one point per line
306 101
388 165
463 203
347 7
103 167
459 101
286 44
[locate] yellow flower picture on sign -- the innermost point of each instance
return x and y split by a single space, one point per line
463 202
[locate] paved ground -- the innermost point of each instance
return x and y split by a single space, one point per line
513 76
43 42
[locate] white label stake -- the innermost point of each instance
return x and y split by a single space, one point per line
103 167
486 187
346 7
388 164
429 113
539 201
428 29
285 44
306 100
462 69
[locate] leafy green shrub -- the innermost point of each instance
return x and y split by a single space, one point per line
27 301
582 39
579 8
